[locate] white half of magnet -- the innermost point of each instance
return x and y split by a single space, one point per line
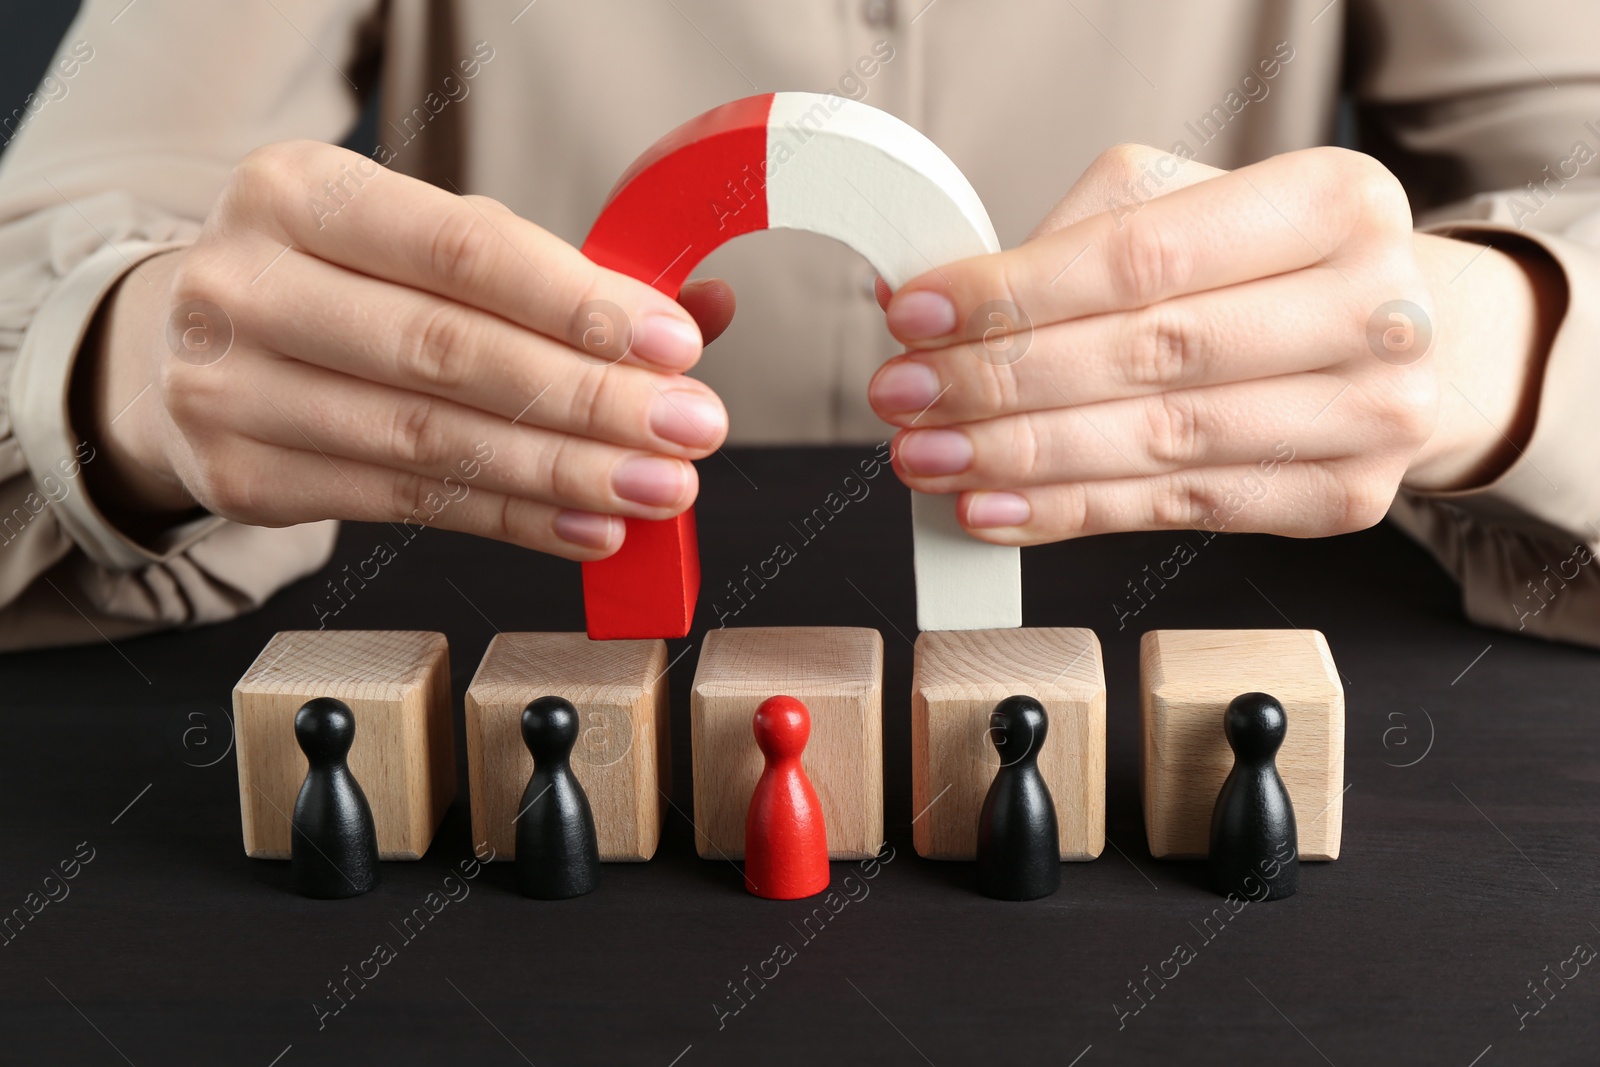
849 171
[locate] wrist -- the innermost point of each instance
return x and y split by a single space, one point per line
115 403
1498 309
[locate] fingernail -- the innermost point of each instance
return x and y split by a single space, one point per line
688 418
934 452
921 316
649 480
904 387
988 510
667 341
586 529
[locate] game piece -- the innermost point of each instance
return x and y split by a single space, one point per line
837 672
1019 848
622 756
333 850
805 161
785 841
958 678
1187 679
557 854
1254 851
397 683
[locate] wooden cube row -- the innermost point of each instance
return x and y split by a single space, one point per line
397 684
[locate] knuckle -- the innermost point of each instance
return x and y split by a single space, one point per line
1146 261
227 487
1008 273
1362 503
559 468
1375 195
407 495
1023 450
196 276
500 525
459 249
1122 160
591 388
228 497
272 171
488 202
1165 348
1385 203
1413 406
1073 516
177 390
603 397
190 395
1179 501
258 174
413 435
211 273
1172 431
995 392
439 346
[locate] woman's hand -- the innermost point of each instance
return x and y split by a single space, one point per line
1267 349
347 342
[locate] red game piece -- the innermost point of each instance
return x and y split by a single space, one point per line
785 841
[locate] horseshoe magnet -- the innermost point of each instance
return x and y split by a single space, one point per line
801 161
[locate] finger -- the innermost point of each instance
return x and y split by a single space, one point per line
1285 324
1123 175
421 343
1292 500
1219 426
1287 212
281 487
392 226
1122 178
710 301
343 417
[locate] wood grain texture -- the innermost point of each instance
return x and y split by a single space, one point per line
957 679
837 672
1186 679
397 682
622 758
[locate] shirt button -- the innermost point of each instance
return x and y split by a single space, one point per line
877 12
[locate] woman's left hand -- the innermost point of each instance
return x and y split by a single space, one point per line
1180 347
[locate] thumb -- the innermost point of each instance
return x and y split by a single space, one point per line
710 302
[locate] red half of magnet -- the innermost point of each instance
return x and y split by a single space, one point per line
699 186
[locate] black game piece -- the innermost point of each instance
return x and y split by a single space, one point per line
333 849
1255 851
1019 852
558 855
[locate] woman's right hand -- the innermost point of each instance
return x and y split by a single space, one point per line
347 342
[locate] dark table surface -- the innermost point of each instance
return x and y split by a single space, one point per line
1468 866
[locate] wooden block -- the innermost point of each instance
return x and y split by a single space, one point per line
1186 680
397 682
958 679
622 756
837 672
824 164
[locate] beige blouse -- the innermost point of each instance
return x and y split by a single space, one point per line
1490 112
